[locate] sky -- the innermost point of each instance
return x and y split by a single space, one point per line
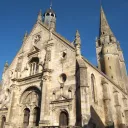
19 16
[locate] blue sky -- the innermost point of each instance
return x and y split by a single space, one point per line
18 16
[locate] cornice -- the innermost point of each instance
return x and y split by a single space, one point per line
27 78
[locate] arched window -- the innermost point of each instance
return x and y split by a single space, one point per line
3 122
36 115
93 87
34 66
26 117
63 120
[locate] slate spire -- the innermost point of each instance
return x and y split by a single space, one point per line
105 29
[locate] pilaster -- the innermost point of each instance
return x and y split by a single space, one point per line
44 115
107 104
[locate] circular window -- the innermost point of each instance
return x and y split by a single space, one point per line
62 78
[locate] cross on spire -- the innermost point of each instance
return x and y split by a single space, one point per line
51 4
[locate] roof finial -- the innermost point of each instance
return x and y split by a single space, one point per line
51 4
78 43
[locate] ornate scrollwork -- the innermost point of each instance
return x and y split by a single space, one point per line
37 39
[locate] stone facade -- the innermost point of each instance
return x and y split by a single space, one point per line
49 82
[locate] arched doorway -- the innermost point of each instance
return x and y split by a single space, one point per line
26 117
63 119
3 122
36 114
31 98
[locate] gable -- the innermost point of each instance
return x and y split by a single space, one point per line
28 45
38 36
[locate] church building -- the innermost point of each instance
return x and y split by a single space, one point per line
50 84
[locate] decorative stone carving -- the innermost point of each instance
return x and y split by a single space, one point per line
19 64
30 98
5 98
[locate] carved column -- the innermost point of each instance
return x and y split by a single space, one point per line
107 104
31 117
119 120
44 102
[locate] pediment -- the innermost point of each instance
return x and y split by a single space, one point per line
33 50
61 99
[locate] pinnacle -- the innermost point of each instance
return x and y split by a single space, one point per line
6 64
40 12
39 16
77 34
77 38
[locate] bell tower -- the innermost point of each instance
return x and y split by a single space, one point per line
109 54
49 18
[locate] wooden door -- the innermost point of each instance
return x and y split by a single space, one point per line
63 121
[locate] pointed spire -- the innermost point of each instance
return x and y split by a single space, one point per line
105 29
78 43
25 36
39 18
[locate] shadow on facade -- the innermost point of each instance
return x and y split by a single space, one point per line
95 121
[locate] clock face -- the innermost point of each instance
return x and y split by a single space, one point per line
37 39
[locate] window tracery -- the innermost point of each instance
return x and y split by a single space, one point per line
31 100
